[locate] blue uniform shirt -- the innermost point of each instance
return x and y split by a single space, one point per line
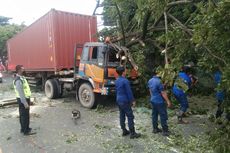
217 77
124 93
156 88
219 93
187 80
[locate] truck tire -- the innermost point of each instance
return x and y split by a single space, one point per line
51 89
60 89
86 96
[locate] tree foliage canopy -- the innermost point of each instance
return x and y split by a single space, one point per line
198 31
7 31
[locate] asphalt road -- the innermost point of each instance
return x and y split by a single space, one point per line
97 130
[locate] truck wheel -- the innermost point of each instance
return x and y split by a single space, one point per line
59 87
86 96
51 89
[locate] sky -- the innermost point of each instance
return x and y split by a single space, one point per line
28 11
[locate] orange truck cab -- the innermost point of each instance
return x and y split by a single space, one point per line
95 70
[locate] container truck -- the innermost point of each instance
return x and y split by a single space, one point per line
60 52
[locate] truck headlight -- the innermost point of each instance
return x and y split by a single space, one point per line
112 82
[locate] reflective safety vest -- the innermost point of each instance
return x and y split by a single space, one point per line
26 87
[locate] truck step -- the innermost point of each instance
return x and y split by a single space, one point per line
30 78
33 81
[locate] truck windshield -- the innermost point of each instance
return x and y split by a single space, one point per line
100 56
113 61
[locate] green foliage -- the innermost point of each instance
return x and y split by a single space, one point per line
212 29
220 139
6 32
139 58
204 39
4 20
155 6
106 32
167 74
194 143
143 102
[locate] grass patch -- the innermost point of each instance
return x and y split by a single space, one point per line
72 138
100 109
123 148
193 143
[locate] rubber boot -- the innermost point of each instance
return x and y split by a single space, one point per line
125 132
134 134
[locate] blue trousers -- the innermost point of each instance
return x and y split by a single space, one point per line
220 96
159 109
126 110
182 99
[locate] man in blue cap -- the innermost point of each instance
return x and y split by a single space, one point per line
159 99
125 101
181 86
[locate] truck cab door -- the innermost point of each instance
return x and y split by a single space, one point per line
91 65
94 66
83 60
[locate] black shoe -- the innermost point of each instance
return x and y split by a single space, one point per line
157 130
166 133
29 133
125 132
135 135
29 130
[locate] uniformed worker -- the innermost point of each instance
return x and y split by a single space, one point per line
23 94
182 84
219 93
125 101
160 102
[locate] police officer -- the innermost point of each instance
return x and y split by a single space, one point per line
125 101
181 86
159 99
23 94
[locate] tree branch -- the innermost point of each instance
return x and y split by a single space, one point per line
97 6
178 3
180 24
154 42
136 34
190 33
145 24
213 55
145 29
121 24
135 41
166 32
